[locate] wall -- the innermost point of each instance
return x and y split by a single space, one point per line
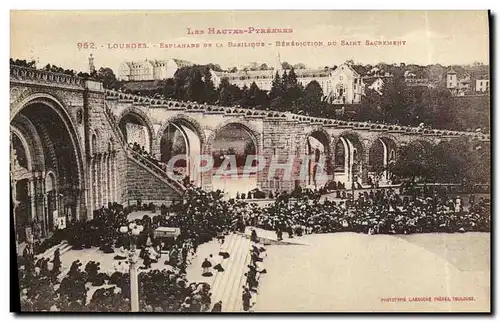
99 124
143 185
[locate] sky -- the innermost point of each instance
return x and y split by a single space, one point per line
444 37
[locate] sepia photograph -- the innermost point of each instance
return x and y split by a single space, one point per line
250 161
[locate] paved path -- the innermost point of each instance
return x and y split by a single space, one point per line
348 272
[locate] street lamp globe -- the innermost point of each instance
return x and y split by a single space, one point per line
132 225
137 230
123 229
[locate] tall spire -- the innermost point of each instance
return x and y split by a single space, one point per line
91 64
278 63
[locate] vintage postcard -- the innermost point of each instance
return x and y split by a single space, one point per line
251 161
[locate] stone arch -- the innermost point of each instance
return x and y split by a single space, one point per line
95 142
382 153
26 147
58 150
143 118
191 122
355 158
60 109
253 132
352 134
50 181
320 134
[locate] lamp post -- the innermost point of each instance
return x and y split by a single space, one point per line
223 158
133 230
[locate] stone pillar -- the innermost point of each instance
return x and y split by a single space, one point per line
91 185
300 150
95 184
105 173
111 195
115 178
206 177
46 213
100 196
134 282
280 146
32 196
39 202
363 165
349 163
385 162
15 203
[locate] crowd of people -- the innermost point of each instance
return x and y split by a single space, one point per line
44 288
379 212
205 215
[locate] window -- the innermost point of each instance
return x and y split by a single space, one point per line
341 77
450 77
274 184
451 84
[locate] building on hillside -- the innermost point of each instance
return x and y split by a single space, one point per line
451 79
482 84
459 83
263 78
150 69
322 76
411 79
347 86
340 86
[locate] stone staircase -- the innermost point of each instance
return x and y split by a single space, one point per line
227 285
156 171
49 253
141 160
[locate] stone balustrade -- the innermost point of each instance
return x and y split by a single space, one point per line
41 76
238 111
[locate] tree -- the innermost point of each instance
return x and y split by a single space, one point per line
264 67
214 67
224 93
23 63
350 62
299 66
312 98
445 114
107 77
414 162
370 107
209 89
276 87
255 97
285 65
233 70
195 86
394 102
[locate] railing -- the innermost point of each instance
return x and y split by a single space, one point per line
37 75
236 110
153 167
113 123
